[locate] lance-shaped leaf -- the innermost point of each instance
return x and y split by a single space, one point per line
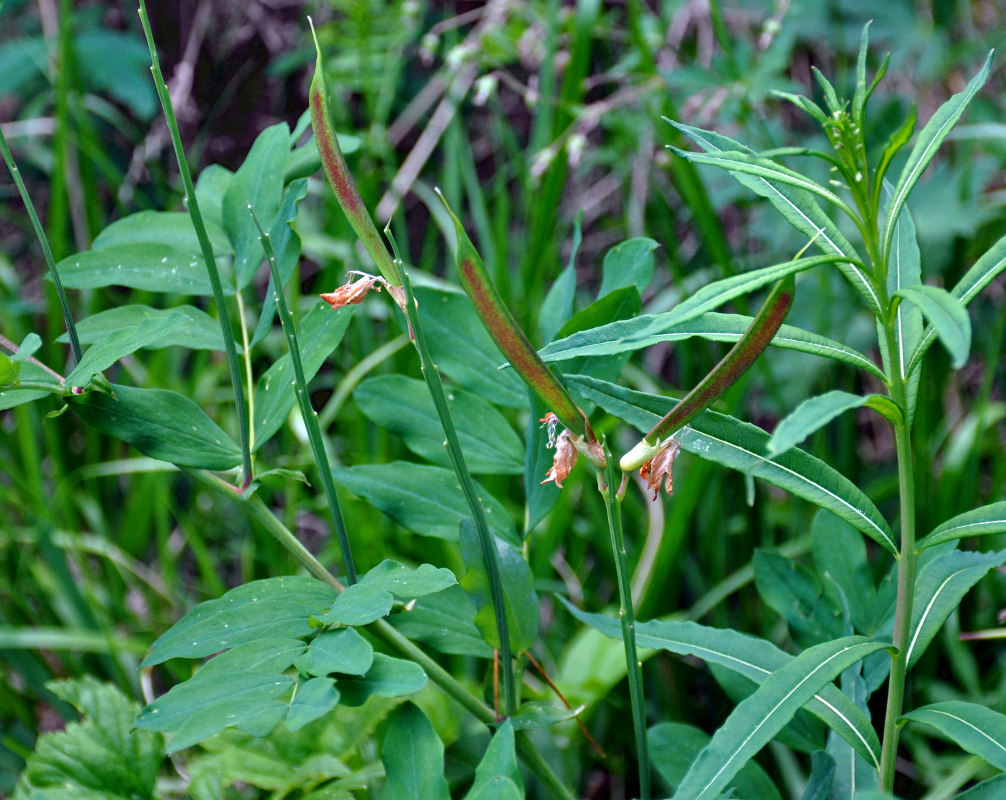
724 375
503 328
519 598
334 164
154 267
413 758
977 522
985 270
199 331
765 169
618 338
674 746
929 141
948 317
992 789
816 412
941 585
741 446
755 659
757 719
161 424
625 333
975 728
121 343
497 776
799 208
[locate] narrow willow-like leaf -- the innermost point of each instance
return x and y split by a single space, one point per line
764 169
985 270
751 657
712 325
161 424
120 344
904 269
929 141
816 412
982 521
413 758
626 332
975 728
757 719
939 589
860 94
741 446
948 317
800 209
674 746
822 774
992 789
258 183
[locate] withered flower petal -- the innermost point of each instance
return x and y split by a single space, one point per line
352 292
563 461
661 468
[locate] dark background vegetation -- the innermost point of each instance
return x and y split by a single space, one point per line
558 111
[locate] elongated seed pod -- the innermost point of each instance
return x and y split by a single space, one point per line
505 331
334 164
724 375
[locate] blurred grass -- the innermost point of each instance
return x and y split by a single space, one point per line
523 113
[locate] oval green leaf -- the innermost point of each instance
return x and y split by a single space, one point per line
421 498
161 424
403 406
199 331
413 758
153 267
260 609
121 343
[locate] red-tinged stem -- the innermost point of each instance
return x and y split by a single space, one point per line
334 164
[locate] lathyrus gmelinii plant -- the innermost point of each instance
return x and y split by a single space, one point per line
291 650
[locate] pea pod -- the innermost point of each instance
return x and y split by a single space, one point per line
334 164
502 326
724 375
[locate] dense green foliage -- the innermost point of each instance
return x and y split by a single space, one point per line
345 508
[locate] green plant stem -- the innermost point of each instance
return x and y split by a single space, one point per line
43 240
255 508
906 588
611 492
304 399
431 374
204 244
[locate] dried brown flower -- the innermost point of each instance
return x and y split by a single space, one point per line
661 468
564 460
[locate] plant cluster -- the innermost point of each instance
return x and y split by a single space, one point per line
424 677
